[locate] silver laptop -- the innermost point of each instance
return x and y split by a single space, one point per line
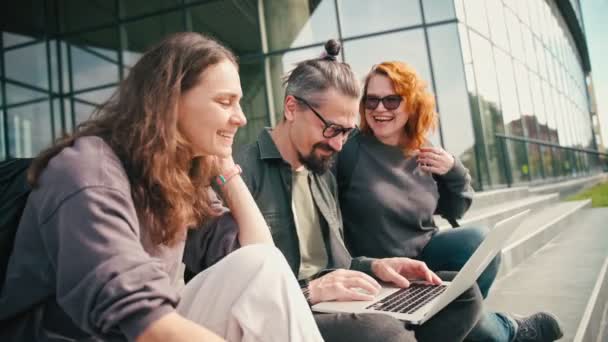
421 301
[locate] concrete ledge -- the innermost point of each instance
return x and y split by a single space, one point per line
518 251
592 326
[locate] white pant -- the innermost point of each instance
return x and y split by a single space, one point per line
250 295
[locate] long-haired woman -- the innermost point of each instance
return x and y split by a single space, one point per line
99 248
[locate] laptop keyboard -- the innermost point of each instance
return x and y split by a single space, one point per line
408 300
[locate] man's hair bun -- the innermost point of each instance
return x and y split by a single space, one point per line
332 49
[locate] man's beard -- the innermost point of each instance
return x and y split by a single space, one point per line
318 164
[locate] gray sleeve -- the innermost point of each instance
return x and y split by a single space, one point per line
105 280
455 191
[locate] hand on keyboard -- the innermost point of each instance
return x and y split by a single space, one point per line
399 270
343 285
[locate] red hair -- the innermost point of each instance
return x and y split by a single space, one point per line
419 103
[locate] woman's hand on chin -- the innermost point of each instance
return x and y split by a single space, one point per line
225 164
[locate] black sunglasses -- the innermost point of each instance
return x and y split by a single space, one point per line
390 102
331 129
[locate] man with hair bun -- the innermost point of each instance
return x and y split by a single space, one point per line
287 171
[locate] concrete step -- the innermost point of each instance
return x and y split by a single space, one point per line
569 187
490 198
561 276
538 229
488 216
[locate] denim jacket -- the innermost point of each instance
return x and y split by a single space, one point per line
269 178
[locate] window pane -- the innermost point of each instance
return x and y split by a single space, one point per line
407 46
547 157
559 117
359 17
510 111
438 10
496 19
523 90
94 58
129 58
279 66
549 113
531 50
58 118
452 96
489 116
523 10
535 161
143 33
299 22
476 15
16 94
254 102
69 122
508 92
518 161
28 65
515 37
10 39
233 23
29 129
82 111
95 97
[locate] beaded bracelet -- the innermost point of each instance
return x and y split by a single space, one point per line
221 180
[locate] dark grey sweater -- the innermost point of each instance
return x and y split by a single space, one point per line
81 264
388 205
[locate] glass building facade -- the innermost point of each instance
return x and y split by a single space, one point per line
509 76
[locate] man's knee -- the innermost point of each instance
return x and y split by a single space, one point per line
379 327
362 328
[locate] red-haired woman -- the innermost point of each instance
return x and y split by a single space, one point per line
98 250
392 181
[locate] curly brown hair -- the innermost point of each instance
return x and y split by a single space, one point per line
169 184
419 103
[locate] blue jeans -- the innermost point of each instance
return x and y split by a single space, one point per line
449 250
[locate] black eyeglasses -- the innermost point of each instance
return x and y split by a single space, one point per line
390 102
331 129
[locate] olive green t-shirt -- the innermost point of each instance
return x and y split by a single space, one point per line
313 256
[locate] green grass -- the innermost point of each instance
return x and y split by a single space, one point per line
598 195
